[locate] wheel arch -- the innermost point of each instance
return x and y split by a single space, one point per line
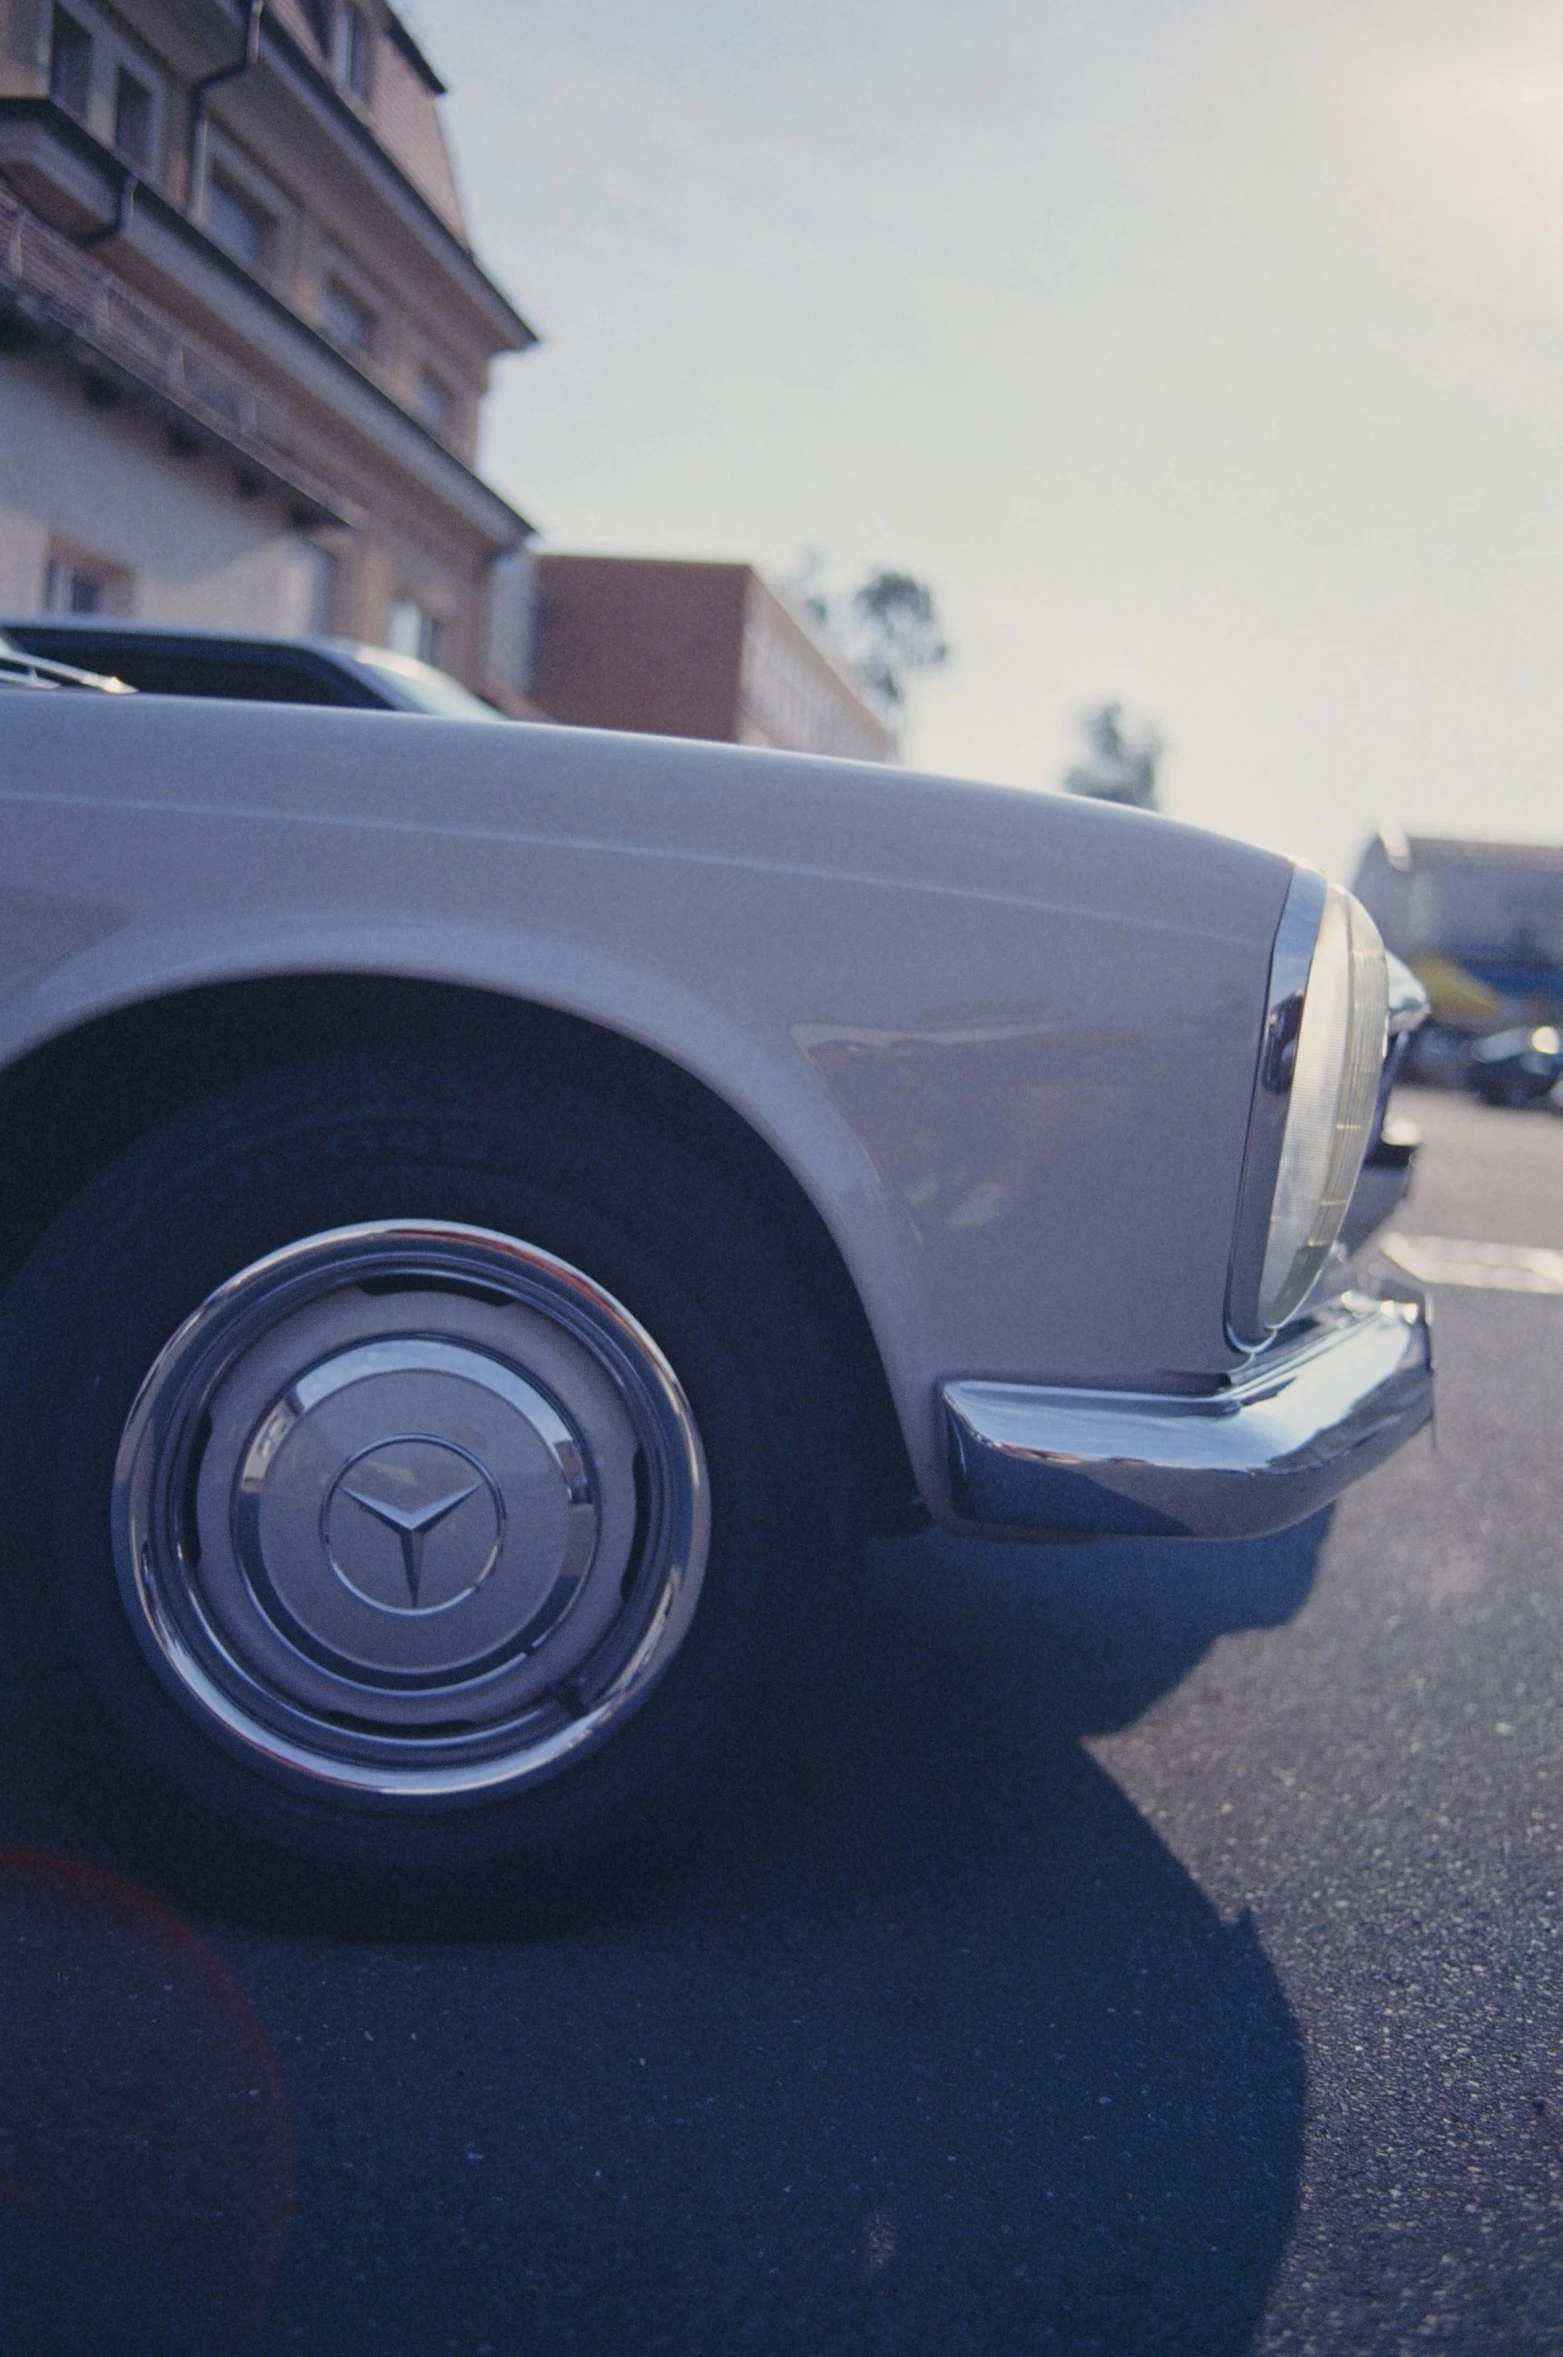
71 1104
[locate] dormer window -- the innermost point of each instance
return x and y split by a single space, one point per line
104 77
133 119
70 63
238 223
346 320
350 51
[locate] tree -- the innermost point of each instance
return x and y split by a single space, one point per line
896 632
886 629
807 589
1121 761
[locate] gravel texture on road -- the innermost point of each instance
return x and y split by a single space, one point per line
1154 1949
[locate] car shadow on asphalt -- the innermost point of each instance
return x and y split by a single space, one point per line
926 2043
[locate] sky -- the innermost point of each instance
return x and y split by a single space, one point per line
1208 357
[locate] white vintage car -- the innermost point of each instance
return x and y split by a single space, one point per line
492 1217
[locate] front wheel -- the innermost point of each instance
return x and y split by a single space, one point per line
410 1513
421 1494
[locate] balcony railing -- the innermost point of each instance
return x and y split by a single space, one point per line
67 297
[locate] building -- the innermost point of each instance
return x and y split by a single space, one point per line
1482 923
694 650
244 339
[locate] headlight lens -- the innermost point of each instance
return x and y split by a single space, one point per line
1332 1098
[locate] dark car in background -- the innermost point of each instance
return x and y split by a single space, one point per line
247 666
1520 1066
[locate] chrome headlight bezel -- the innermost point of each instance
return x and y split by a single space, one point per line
1343 1063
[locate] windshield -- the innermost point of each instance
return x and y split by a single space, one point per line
423 688
20 669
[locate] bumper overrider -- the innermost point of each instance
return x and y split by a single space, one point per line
1323 1404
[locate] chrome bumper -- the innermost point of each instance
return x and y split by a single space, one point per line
1289 1433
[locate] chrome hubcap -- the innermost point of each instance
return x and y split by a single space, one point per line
412 1511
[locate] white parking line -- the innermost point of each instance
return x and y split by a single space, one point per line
1495 1268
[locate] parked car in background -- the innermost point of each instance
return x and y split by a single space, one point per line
491 1219
1438 1057
166 661
1520 1066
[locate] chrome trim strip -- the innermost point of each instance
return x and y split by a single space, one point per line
1302 1422
1290 961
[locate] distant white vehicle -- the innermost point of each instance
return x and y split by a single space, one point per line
493 1216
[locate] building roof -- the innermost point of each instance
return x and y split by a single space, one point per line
407 123
1409 851
403 113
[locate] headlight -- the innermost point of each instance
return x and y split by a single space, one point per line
1314 1101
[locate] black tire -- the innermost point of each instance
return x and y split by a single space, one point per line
622 1193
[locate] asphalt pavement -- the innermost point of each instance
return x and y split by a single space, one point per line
1156 1951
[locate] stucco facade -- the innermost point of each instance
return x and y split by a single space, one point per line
244 341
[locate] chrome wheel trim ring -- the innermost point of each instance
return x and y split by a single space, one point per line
262 1641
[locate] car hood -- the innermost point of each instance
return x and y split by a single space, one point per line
722 805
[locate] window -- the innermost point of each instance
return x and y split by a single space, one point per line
345 319
77 586
433 402
317 572
414 631
350 51
78 580
75 589
133 120
70 63
237 222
